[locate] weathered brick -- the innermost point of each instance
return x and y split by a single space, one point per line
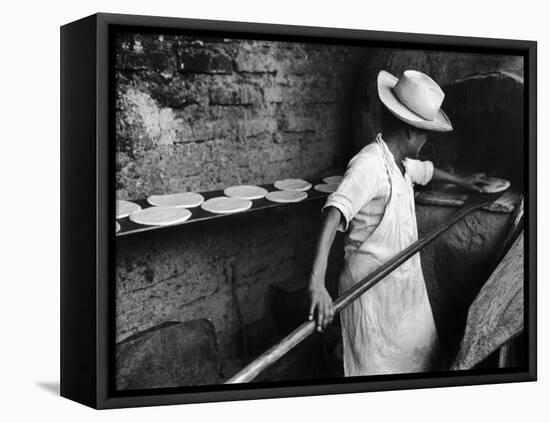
200 110
156 61
254 127
204 61
241 94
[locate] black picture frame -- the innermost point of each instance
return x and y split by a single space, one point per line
87 211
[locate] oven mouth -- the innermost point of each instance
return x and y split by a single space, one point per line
487 114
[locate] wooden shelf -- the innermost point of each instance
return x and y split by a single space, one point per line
443 196
127 227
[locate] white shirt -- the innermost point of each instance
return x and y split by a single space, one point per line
365 190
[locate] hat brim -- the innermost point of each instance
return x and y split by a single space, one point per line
386 82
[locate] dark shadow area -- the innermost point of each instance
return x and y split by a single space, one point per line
487 116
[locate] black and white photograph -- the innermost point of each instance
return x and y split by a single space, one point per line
302 211
291 211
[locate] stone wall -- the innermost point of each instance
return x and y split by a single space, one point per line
203 114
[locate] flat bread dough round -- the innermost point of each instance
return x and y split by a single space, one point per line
326 187
493 185
286 196
224 205
185 200
160 216
117 227
124 208
333 179
292 185
245 192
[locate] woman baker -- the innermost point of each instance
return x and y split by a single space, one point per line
390 328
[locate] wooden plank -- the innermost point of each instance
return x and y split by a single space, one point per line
496 315
453 196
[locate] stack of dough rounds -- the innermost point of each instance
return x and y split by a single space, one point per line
286 196
185 200
160 216
224 205
333 179
292 185
124 208
326 187
245 192
494 185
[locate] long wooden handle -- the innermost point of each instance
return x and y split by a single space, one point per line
306 329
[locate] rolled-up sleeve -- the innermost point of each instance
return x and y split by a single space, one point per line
421 172
358 186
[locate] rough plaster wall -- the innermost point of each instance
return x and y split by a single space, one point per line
457 264
205 114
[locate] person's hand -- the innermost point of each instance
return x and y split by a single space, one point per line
473 182
321 308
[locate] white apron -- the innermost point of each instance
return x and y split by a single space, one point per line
390 328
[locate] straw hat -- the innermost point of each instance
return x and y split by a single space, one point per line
415 98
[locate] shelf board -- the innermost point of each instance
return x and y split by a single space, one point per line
448 196
127 227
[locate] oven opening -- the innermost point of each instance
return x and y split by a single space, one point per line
488 136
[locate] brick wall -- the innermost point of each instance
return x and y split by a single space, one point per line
203 114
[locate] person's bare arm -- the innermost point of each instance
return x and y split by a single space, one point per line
321 306
468 182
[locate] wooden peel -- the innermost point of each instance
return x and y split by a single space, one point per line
249 372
